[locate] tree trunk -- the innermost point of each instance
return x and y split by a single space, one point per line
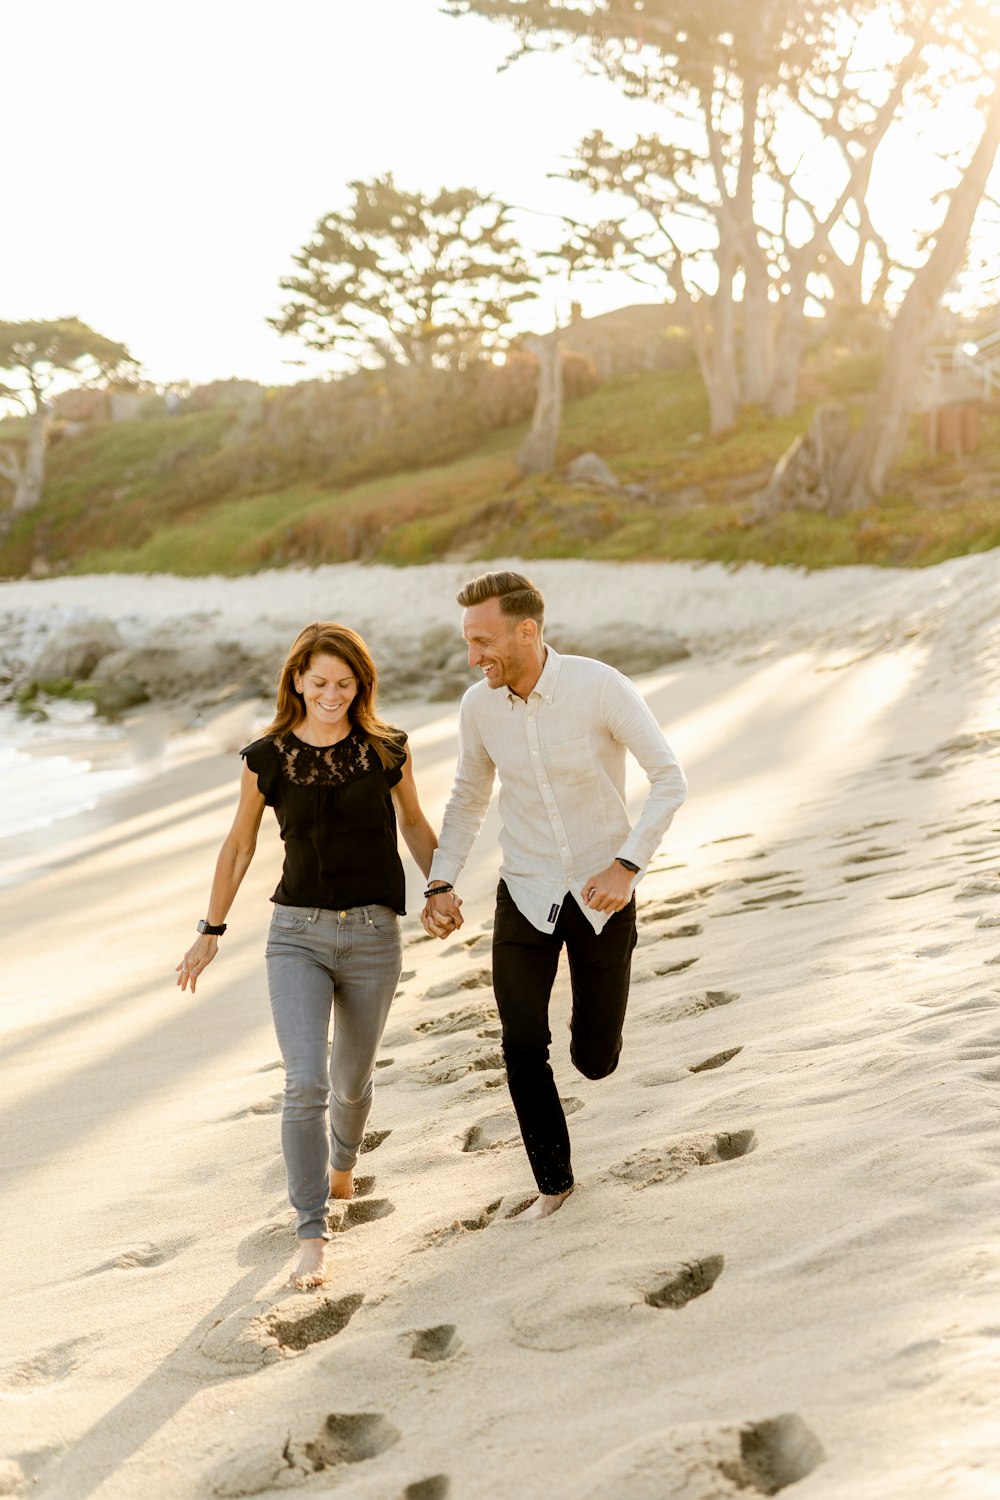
538 451
801 478
31 479
713 332
860 475
788 351
758 336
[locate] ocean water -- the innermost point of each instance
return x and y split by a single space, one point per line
37 790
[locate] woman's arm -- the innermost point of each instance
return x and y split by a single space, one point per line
421 840
232 864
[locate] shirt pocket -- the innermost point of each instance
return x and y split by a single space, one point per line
570 762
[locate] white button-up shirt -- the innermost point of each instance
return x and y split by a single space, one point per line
561 760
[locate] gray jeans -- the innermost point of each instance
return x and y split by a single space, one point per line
316 959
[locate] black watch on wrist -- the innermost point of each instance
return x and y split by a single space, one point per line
627 864
206 927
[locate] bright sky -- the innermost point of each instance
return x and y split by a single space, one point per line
163 163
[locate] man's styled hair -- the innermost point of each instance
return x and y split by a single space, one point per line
517 595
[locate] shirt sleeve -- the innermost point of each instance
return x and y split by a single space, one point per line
262 758
394 773
629 719
470 797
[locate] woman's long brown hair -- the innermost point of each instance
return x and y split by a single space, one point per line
326 638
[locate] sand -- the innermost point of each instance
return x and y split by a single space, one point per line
781 1267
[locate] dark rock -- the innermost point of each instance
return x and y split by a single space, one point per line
587 468
76 650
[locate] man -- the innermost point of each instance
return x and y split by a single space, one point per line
556 728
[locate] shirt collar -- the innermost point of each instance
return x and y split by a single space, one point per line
545 687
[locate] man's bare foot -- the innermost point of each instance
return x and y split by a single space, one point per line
544 1205
309 1269
341 1183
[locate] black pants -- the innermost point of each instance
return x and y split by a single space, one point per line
524 969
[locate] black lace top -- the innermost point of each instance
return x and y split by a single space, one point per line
336 818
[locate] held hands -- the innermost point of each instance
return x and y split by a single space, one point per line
196 960
442 915
609 891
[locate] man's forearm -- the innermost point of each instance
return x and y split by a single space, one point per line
463 818
629 718
465 809
668 788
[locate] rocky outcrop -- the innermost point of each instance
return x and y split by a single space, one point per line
75 651
121 664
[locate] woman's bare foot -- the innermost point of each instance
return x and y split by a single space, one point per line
341 1183
309 1270
544 1205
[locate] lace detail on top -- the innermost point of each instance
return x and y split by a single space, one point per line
324 765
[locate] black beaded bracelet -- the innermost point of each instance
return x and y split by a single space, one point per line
439 890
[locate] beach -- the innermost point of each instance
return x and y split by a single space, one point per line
780 1269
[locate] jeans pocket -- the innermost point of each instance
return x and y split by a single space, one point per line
383 921
288 919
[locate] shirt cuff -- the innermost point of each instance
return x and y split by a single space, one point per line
444 868
634 856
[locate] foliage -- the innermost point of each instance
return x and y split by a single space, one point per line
751 204
36 353
166 495
399 278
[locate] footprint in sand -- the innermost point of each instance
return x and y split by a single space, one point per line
654 1078
44 1368
754 903
269 1106
142 1257
466 1019
444 1070
373 1140
746 1460
493 1131
873 855
979 885
686 1006
460 1227
349 1214
434 1344
659 970
717 1060
296 1330
247 1340
650 1166
919 890
601 1303
436 1487
475 979
647 936
681 1285
674 906
289 1459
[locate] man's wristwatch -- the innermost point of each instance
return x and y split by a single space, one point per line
627 864
206 927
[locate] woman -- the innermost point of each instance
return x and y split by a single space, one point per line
337 777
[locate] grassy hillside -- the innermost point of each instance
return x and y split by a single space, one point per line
180 495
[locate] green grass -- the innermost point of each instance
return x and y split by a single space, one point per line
196 494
